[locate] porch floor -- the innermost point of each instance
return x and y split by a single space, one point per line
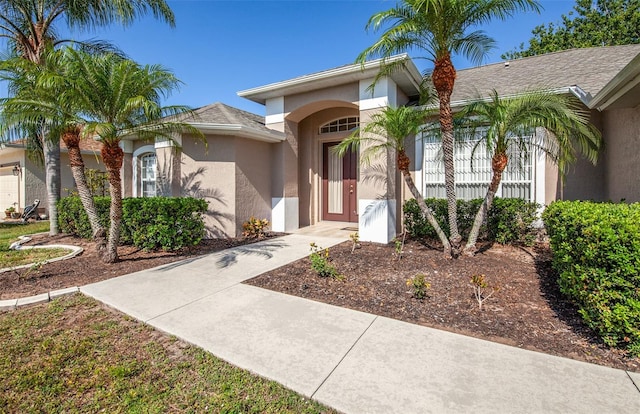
340 229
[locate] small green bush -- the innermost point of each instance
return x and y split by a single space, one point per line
596 251
149 223
72 218
167 223
320 262
509 220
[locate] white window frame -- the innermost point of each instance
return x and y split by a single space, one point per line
426 179
136 162
342 124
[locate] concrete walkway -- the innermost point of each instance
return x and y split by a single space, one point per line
353 361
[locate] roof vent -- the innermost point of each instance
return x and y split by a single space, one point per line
506 64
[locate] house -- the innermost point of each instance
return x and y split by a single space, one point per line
22 180
280 166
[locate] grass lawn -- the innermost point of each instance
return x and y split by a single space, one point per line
10 233
75 355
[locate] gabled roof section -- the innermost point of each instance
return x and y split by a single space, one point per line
588 69
223 119
623 91
407 79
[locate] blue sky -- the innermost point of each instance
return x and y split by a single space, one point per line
220 47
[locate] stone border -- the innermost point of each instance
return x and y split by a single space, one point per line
12 304
75 250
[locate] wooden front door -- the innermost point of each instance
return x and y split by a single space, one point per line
339 179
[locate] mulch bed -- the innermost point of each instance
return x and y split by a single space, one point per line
88 268
527 311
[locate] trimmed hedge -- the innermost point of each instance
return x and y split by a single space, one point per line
509 221
596 251
151 223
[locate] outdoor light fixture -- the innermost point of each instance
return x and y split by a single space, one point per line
16 170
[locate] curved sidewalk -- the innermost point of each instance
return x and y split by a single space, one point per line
353 361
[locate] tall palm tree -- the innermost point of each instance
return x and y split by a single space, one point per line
510 121
441 28
30 28
391 129
121 98
45 96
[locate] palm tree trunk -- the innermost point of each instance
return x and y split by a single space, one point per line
403 166
71 138
444 76
52 180
112 155
498 164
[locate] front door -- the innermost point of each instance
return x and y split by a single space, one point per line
339 178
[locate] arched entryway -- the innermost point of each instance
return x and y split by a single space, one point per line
339 184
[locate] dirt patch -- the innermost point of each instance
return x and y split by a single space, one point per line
88 268
527 311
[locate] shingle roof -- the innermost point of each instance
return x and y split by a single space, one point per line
589 68
219 113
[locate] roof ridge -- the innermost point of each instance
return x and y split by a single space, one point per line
557 52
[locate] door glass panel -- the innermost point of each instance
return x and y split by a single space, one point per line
334 178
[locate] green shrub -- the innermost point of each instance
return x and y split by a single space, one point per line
509 220
320 262
149 223
596 251
167 223
72 219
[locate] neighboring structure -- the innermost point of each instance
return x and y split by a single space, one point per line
22 180
281 166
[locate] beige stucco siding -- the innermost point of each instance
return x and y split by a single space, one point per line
308 103
210 174
622 153
252 181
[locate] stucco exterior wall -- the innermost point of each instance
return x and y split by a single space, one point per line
584 181
210 174
622 154
34 184
252 181
348 93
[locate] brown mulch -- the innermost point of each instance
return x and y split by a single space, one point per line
527 311
88 268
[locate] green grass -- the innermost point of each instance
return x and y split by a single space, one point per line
74 355
10 233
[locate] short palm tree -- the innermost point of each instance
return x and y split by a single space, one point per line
30 29
441 28
391 129
46 96
510 121
119 98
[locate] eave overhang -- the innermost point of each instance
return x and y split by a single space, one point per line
408 79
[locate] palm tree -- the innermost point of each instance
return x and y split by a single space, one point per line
510 121
29 27
441 28
45 96
120 98
390 129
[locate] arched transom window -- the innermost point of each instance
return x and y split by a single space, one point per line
340 125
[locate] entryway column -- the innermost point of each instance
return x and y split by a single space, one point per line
377 203
285 210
